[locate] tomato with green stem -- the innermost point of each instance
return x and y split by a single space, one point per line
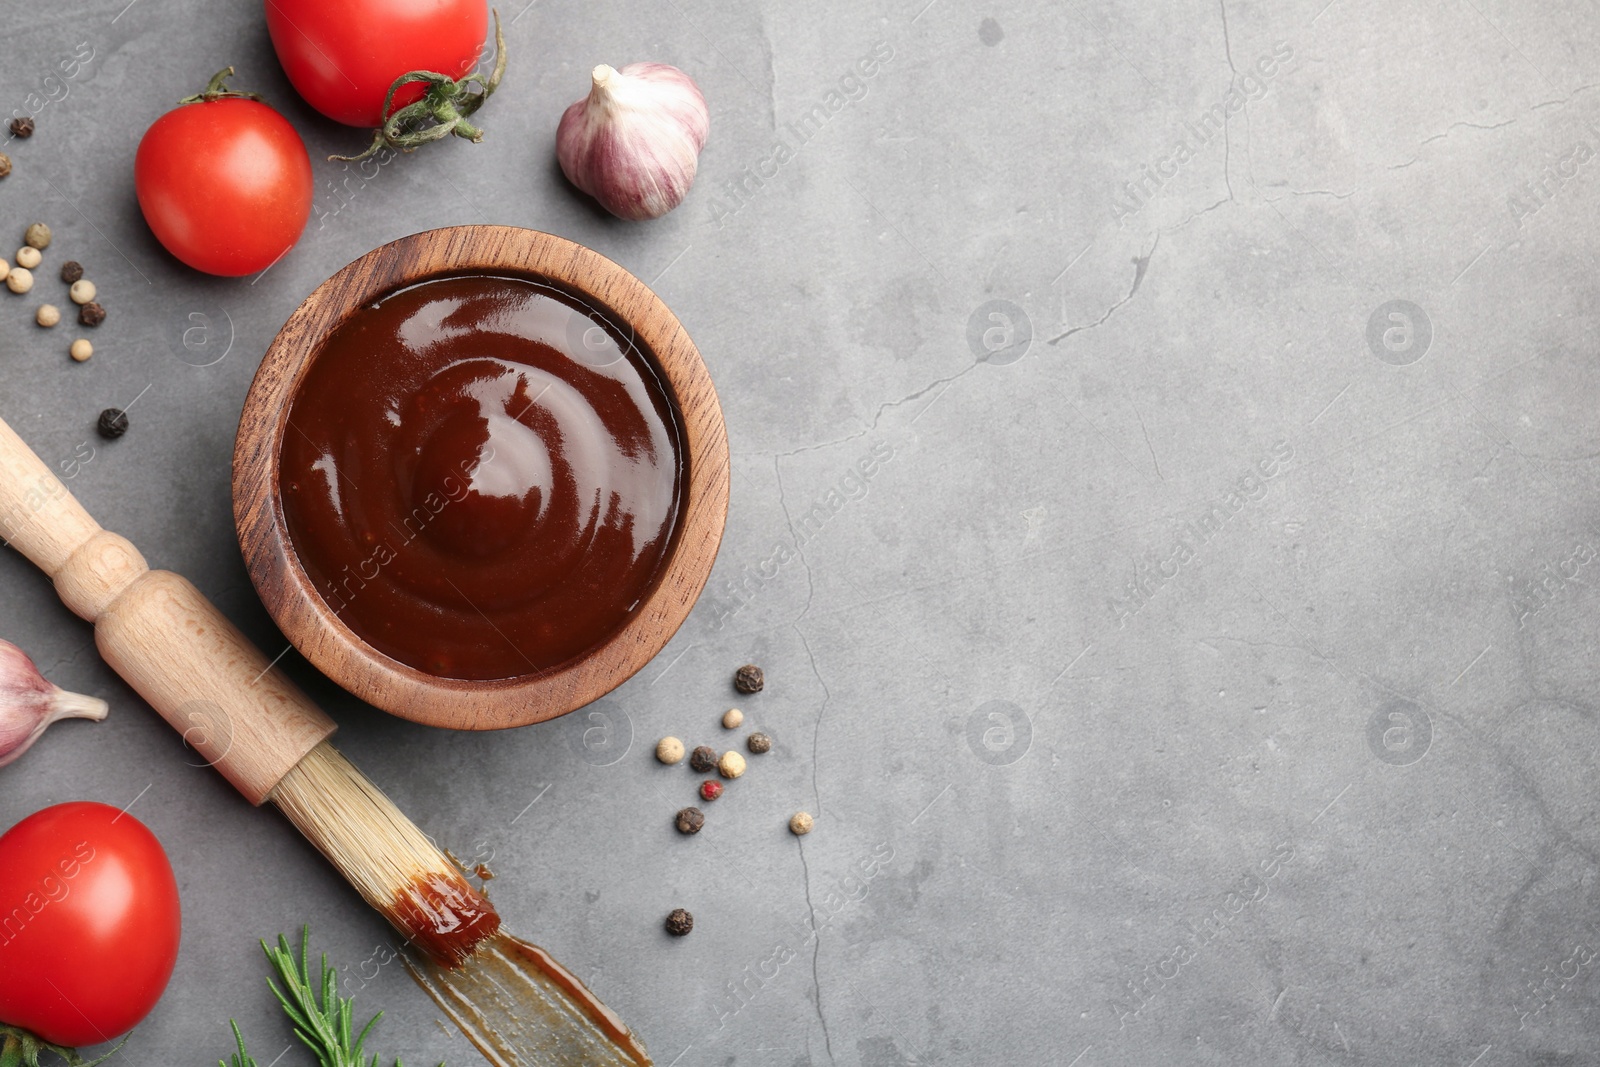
89 931
403 66
224 181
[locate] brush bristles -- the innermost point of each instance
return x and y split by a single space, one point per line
390 862
359 829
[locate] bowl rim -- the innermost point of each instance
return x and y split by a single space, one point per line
311 625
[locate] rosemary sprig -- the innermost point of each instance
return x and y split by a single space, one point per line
323 1024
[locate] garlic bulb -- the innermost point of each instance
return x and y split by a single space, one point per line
28 703
633 143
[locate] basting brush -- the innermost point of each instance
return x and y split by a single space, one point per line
518 1006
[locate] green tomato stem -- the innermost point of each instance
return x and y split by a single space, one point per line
19 1048
442 111
216 90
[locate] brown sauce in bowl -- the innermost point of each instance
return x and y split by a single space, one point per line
481 476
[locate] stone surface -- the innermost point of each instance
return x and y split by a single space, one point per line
1205 673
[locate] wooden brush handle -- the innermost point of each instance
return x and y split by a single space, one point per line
160 633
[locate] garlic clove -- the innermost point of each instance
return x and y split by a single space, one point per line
634 142
29 703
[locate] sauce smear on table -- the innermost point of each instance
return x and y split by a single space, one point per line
520 1008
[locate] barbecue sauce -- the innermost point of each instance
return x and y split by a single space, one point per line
481 476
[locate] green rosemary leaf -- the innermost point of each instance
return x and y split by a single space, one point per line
240 1058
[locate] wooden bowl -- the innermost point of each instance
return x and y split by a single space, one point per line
337 650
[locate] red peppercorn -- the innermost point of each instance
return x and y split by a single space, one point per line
711 789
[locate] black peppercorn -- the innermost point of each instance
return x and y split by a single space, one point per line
71 271
759 743
679 923
690 820
113 423
702 759
91 314
748 679
22 126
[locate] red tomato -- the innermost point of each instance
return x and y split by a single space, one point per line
225 184
89 933
342 55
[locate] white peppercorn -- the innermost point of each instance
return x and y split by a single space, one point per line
28 256
800 823
732 718
81 349
20 280
82 291
731 765
47 315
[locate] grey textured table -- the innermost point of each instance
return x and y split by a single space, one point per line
1205 673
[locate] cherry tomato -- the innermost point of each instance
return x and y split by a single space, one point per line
89 933
343 55
225 184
